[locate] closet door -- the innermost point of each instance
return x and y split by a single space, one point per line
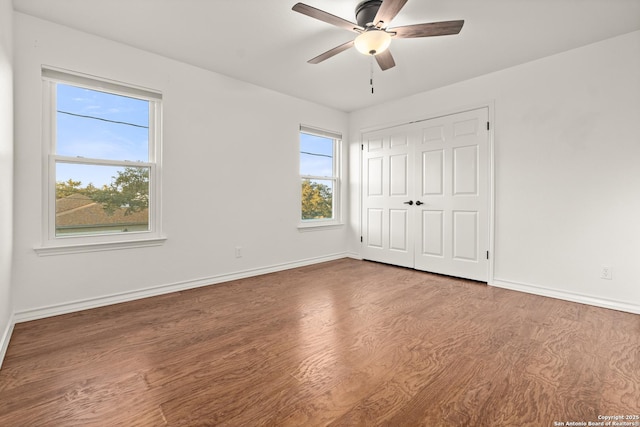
452 169
387 234
425 195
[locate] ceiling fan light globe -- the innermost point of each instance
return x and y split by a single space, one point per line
372 42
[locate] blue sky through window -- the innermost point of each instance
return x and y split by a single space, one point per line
316 155
99 125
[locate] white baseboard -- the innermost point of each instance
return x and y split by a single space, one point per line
567 296
5 338
86 304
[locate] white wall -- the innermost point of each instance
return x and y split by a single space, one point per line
567 168
230 177
6 172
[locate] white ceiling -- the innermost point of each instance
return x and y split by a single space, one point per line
264 42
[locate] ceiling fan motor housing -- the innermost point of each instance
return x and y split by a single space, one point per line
366 12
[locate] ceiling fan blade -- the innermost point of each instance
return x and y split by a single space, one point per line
332 52
326 17
430 29
385 60
388 10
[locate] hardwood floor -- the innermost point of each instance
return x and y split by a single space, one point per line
343 343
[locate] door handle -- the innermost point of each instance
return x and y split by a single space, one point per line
410 202
418 203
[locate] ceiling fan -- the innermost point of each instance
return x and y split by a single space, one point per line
374 34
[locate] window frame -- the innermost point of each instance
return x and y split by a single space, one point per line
336 137
53 244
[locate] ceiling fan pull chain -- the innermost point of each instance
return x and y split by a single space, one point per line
371 75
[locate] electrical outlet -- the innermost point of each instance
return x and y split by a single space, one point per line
238 251
606 273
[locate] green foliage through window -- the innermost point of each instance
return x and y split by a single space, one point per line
129 191
317 200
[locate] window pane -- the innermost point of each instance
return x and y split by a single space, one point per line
101 125
316 155
96 199
317 199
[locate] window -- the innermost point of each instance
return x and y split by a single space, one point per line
102 141
319 166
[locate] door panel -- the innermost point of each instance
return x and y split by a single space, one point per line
398 229
465 126
399 140
432 233
374 144
374 228
374 181
465 170
465 235
399 175
433 175
433 133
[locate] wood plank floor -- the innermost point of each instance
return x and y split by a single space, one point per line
343 343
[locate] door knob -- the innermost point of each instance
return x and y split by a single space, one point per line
410 202
418 203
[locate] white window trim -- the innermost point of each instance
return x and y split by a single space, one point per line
336 221
52 245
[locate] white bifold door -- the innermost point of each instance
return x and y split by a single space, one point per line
425 193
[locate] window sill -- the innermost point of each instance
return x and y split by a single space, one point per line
98 246
319 225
